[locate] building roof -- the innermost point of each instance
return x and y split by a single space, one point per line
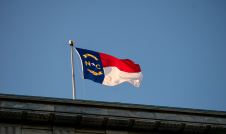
58 111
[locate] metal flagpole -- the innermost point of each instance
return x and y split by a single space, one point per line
71 43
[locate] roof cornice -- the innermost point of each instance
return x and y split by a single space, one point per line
17 108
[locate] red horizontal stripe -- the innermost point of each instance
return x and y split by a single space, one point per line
125 65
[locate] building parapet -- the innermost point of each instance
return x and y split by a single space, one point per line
105 115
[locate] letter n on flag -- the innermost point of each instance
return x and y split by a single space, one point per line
109 70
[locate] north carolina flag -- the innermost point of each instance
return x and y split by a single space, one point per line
109 70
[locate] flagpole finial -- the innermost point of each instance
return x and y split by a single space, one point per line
71 42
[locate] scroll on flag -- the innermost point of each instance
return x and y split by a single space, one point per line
109 70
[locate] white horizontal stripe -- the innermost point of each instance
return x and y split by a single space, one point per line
113 76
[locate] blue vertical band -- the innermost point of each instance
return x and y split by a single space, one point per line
92 66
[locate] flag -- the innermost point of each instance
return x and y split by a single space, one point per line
109 70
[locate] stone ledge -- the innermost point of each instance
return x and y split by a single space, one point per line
78 113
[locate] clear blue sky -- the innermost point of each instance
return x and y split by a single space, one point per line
180 45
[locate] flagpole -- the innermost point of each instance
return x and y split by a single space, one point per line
71 43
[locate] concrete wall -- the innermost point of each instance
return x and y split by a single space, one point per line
32 129
41 115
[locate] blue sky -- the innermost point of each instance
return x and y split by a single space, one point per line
180 45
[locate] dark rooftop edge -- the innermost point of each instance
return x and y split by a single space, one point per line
64 101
